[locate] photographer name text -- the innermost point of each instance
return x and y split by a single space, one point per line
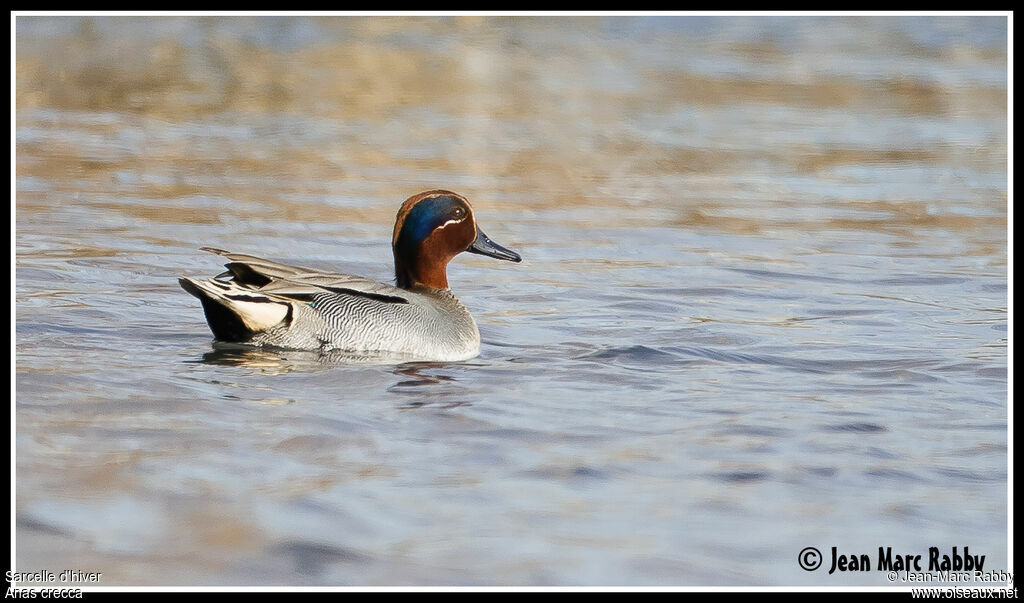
905 562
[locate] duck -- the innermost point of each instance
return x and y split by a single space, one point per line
263 303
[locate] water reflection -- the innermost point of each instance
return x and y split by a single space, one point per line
283 360
424 385
420 384
765 301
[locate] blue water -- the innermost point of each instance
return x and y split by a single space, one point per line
763 303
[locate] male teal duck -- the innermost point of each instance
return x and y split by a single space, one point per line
263 303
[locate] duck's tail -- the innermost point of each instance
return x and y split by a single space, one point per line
235 313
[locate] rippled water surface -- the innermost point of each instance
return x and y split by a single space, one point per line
763 304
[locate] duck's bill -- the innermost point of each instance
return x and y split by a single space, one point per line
485 246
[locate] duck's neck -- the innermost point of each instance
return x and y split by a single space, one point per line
426 268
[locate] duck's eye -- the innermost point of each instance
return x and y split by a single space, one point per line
459 213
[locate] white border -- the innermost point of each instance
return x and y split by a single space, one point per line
89 589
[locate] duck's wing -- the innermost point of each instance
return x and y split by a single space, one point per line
300 283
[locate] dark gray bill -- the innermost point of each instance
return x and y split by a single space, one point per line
485 246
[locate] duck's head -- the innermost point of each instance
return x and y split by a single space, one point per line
432 228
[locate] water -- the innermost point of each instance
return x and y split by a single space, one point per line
763 303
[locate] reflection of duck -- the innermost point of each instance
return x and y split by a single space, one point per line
264 303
